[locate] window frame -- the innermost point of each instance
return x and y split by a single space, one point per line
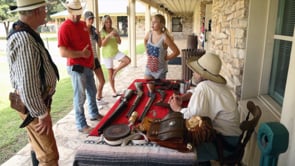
258 62
177 24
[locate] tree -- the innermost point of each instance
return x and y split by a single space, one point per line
5 16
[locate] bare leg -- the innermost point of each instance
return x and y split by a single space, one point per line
99 75
123 62
148 77
112 81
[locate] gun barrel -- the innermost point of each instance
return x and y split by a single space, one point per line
138 86
163 94
139 90
135 104
147 106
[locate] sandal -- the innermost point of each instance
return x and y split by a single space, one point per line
116 95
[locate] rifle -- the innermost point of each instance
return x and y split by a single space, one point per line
163 95
162 103
124 100
139 92
152 97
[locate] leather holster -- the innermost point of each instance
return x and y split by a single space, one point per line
169 132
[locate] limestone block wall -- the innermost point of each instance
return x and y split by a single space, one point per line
187 28
228 39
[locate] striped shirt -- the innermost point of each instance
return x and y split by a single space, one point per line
93 39
23 54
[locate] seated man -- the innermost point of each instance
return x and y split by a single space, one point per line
210 98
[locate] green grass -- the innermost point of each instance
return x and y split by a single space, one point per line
139 49
12 138
62 99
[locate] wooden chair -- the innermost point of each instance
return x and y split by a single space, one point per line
247 126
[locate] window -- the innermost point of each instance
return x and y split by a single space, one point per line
176 24
282 49
122 22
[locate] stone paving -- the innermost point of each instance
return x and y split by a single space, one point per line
67 137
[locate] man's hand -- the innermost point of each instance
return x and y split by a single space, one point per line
44 125
175 102
85 52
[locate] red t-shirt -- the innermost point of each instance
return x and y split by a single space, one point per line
75 36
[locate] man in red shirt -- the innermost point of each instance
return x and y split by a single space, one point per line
74 44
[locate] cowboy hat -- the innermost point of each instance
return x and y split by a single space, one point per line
26 5
208 66
74 7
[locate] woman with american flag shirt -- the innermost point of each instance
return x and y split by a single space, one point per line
157 42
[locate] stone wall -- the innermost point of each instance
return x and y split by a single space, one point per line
228 39
187 28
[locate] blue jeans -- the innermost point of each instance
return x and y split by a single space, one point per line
83 86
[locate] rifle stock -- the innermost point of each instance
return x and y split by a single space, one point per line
124 100
147 106
139 92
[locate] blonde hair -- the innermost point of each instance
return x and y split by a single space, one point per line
162 20
104 18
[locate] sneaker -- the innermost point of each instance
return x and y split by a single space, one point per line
101 102
99 117
100 107
86 130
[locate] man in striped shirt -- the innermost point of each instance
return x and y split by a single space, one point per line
32 74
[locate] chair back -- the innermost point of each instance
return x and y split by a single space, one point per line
247 126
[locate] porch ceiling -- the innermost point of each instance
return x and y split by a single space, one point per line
175 7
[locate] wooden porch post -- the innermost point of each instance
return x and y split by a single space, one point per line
147 18
168 22
132 32
92 5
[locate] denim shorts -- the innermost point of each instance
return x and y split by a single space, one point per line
160 74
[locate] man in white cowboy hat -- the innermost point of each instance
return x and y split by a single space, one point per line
33 74
74 44
210 98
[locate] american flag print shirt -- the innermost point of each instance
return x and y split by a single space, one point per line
153 56
156 54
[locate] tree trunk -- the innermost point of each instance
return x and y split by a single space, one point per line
6 26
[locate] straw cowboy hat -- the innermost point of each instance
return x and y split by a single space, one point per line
26 5
74 7
208 66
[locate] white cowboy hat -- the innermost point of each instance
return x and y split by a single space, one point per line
208 66
74 7
26 5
